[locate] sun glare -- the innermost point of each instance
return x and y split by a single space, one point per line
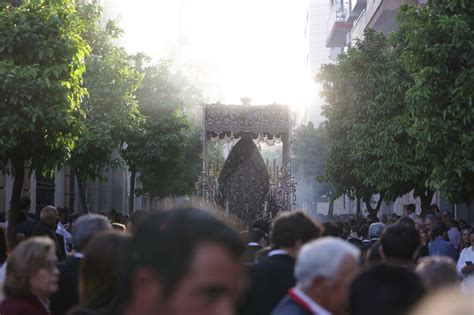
251 48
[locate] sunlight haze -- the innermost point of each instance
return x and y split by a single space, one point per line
231 49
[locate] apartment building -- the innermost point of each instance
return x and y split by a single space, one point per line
350 18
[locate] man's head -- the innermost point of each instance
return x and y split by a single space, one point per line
446 216
440 229
63 214
437 272
87 226
375 230
292 229
262 224
323 270
384 289
331 229
411 208
400 242
184 262
25 204
434 209
257 236
49 216
430 222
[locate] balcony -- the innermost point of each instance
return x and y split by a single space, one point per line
354 9
381 14
337 27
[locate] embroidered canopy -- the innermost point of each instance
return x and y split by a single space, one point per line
232 121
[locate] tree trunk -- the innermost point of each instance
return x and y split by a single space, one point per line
373 211
19 173
82 195
131 201
426 198
358 211
331 207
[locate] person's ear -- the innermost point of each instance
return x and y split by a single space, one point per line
317 284
146 292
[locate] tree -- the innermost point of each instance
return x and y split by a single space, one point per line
110 106
370 150
41 66
437 42
165 151
341 115
309 148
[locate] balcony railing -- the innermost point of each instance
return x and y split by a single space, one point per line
337 27
372 6
335 15
358 27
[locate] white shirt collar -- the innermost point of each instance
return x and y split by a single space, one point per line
78 255
277 252
315 307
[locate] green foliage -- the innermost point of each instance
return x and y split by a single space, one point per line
400 113
163 153
369 148
438 51
166 149
110 107
41 66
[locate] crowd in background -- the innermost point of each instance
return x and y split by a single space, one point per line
191 261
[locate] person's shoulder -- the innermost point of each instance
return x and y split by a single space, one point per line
274 261
463 252
22 305
288 307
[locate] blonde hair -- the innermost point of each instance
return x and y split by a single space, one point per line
24 262
449 301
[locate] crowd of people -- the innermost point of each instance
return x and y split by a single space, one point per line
190 260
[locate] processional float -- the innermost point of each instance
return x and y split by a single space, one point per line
246 186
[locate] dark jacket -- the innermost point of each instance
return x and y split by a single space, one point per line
250 253
289 307
27 305
68 293
42 229
270 280
26 225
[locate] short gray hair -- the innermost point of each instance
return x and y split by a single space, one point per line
323 258
48 212
437 272
87 226
376 229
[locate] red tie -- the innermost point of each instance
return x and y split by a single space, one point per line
300 302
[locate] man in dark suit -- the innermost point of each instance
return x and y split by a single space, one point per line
323 271
271 278
26 224
67 296
47 227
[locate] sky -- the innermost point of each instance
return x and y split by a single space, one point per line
234 49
